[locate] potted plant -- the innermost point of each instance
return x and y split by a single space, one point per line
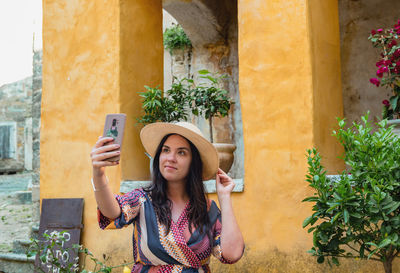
209 100
168 108
357 216
205 99
388 68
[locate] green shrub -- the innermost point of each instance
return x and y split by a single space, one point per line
357 216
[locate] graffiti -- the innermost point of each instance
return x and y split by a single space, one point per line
61 255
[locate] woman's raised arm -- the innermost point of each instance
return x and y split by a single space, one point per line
232 244
105 199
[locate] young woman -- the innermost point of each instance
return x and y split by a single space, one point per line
176 227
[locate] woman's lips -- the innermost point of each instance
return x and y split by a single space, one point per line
170 168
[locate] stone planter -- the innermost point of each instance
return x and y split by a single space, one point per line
225 154
396 123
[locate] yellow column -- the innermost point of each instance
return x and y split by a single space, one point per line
284 63
96 57
327 85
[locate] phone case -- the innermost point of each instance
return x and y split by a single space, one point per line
114 127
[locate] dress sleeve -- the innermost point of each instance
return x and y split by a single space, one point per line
216 250
130 205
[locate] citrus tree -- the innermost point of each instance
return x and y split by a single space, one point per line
358 215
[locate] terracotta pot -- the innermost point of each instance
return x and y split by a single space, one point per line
225 154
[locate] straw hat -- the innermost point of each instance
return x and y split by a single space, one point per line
152 134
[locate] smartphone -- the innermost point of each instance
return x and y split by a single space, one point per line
114 127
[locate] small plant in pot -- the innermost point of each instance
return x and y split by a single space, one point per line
209 100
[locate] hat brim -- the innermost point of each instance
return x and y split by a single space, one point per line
152 134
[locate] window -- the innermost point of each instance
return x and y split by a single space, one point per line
7 140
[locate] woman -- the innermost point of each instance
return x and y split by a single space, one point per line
176 227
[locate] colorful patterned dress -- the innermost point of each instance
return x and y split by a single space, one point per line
156 251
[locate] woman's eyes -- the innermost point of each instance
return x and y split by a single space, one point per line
167 150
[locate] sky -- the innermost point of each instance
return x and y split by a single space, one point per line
19 20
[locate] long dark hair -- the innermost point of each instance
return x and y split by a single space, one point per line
197 210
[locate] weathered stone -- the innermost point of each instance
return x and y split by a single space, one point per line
216 53
14 183
10 166
358 56
16 263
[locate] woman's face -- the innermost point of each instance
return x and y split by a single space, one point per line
175 158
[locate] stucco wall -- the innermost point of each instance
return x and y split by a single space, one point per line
84 78
357 19
92 61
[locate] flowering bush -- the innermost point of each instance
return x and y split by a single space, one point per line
388 72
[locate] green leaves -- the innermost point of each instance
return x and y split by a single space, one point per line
57 261
360 209
168 108
206 99
175 38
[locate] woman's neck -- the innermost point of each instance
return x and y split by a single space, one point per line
176 192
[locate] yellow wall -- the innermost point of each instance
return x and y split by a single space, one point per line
284 63
323 24
98 55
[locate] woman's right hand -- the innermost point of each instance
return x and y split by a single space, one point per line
101 152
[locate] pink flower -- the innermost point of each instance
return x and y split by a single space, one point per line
373 32
380 63
392 43
381 70
379 30
387 62
396 69
386 103
375 81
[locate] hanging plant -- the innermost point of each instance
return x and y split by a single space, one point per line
176 38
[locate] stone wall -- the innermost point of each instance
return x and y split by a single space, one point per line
36 110
15 105
36 106
216 53
358 57
20 104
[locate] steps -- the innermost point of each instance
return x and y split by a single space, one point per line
16 211
17 260
16 263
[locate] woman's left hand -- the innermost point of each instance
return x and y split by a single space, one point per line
224 183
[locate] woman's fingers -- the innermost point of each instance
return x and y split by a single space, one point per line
221 171
102 140
99 164
223 177
106 148
104 156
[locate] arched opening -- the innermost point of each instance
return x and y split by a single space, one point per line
212 29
